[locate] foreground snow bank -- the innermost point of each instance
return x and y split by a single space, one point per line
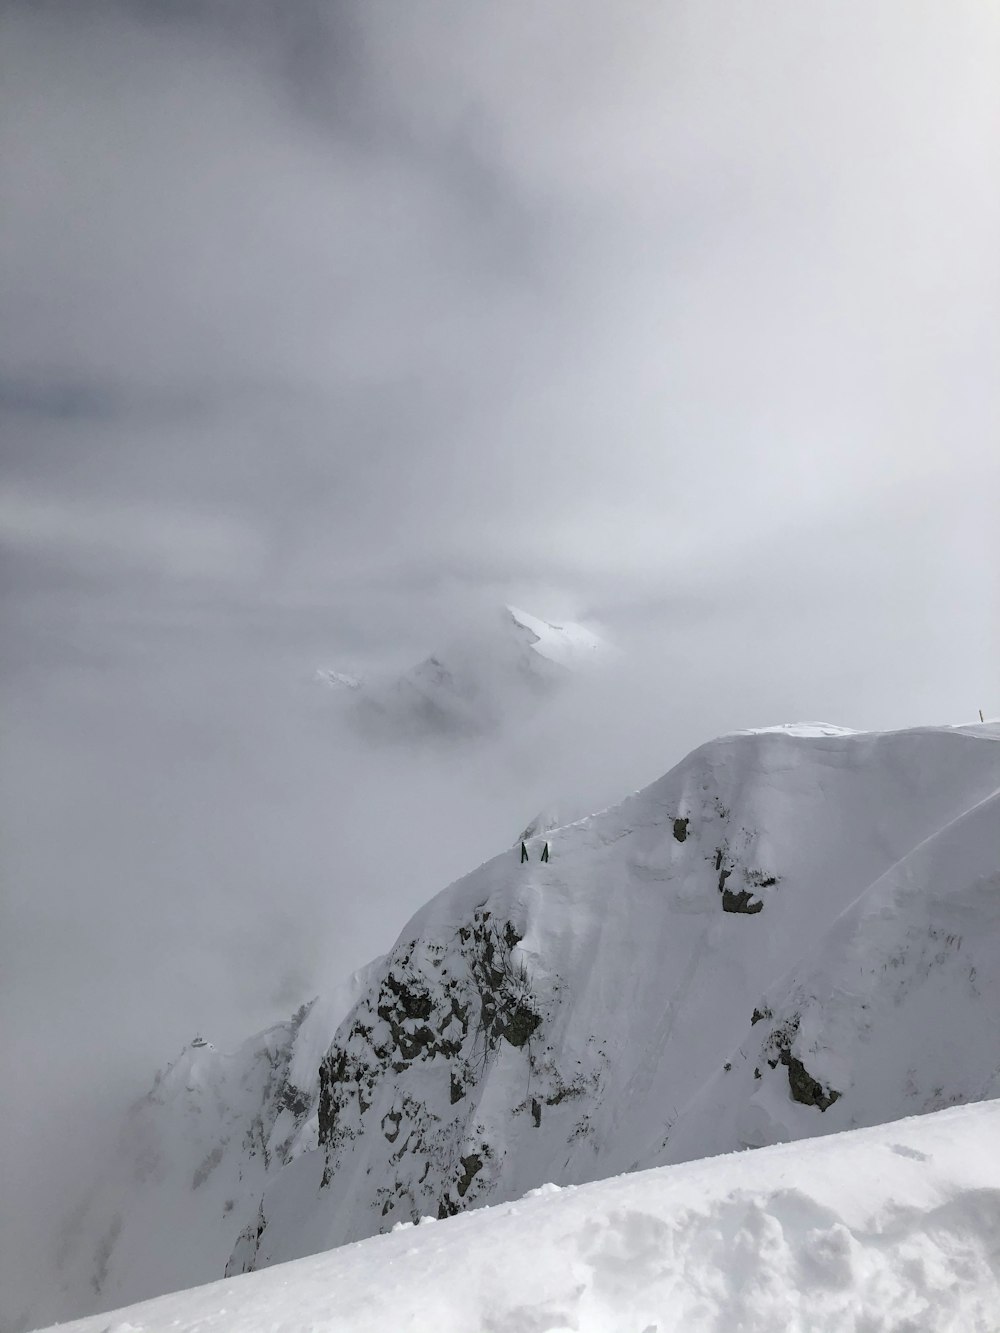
891 1228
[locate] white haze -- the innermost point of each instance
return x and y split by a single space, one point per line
326 328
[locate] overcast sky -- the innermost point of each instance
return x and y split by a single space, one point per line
325 326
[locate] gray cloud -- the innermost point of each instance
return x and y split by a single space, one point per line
404 291
322 327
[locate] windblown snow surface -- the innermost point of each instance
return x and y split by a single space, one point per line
895 1228
794 932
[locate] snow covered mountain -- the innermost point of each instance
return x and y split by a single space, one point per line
793 932
504 669
890 1008
190 1162
887 1229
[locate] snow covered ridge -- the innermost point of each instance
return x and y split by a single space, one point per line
507 668
785 936
794 932
893 1228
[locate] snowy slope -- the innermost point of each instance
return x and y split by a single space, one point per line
897 1006
190 1162
504 669
573 1019
894 1228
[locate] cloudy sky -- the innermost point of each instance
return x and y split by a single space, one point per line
324 326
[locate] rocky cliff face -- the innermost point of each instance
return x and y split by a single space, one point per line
400 1089
662 986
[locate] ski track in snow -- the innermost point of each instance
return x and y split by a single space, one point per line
888 1230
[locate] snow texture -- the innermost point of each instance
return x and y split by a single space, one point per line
887 1230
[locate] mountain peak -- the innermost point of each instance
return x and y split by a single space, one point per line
627 1002
570 645
480 680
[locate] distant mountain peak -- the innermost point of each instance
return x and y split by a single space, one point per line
569 645
497 672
